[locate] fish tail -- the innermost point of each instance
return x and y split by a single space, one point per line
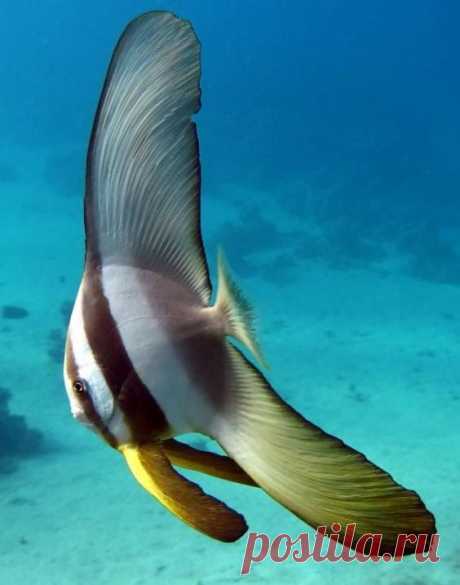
313 474
235 311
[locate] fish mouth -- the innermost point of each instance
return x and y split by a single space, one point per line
79 415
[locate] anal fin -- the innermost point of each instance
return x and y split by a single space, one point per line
313 474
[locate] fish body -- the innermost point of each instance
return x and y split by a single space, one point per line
140 333
149 356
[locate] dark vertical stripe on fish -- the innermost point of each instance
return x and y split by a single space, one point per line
143 415
84 398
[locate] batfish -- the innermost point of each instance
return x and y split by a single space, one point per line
151 354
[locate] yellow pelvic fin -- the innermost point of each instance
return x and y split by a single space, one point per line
213 464
236 311
185 499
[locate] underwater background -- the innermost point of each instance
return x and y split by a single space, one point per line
330 149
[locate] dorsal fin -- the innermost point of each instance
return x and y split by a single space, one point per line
142 203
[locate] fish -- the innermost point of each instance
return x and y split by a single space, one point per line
152 354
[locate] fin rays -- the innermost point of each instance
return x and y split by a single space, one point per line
143 172
235 311
313 474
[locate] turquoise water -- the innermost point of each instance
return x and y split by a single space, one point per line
329 137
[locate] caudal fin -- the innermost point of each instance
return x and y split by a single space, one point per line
313 474
235 311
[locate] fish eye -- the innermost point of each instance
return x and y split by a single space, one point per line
79 386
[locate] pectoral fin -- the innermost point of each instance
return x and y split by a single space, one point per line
185 499
213 464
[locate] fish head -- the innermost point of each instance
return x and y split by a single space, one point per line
91 400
